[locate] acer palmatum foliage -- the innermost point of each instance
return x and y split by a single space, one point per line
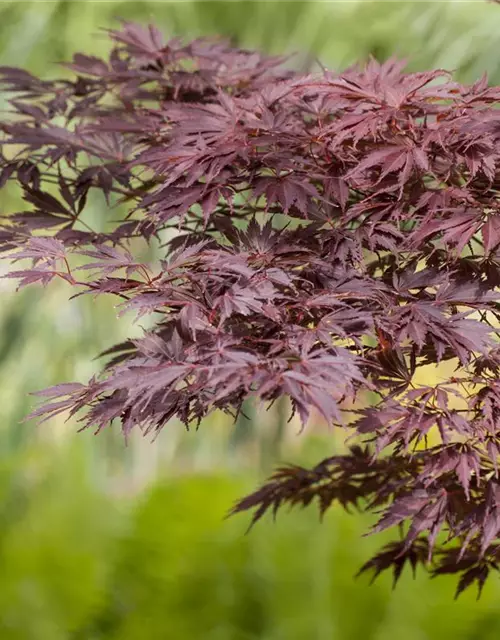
390 261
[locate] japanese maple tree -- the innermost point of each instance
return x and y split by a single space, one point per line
322 236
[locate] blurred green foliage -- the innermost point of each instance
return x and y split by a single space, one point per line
88 553
78 564
453 34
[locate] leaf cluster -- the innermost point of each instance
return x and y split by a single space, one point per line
322 236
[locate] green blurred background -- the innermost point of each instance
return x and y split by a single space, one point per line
102 541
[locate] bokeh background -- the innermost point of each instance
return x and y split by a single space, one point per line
99 541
